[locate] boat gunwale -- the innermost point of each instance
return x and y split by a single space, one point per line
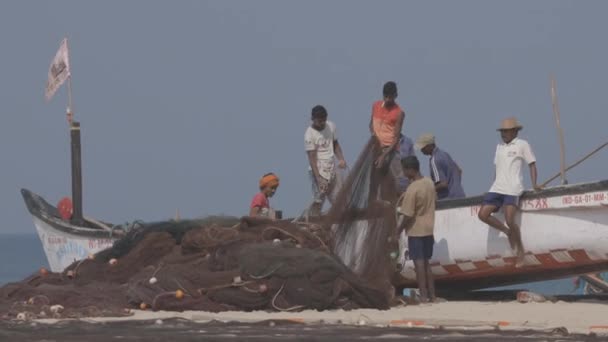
562 190
42 210
48 213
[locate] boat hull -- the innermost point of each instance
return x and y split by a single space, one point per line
62 249
64 243
564 233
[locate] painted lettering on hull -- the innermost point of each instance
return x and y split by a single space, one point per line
582 199
537 203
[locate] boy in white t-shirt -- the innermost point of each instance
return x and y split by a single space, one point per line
322 147
508 184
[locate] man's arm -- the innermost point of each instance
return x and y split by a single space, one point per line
406 224
398 128
254 211
439 174
529 157
371 124
441 185
339 154
407 210
312 160
534 176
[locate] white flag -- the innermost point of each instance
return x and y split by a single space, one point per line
59 71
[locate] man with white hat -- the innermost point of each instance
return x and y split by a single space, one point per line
445 173
508 184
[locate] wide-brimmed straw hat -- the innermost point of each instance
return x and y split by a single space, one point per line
425 140
509 123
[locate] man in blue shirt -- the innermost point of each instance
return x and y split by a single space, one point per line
406 149
446 174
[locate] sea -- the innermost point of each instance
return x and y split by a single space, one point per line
22 255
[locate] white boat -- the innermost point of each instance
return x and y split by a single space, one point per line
62 241
564 231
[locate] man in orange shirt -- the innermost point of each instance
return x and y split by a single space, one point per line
386 124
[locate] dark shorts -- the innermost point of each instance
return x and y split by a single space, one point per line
499 200
420 247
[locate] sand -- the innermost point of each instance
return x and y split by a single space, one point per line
579 317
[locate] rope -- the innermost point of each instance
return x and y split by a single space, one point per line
280 230
575 164
267 273
297 307
225 286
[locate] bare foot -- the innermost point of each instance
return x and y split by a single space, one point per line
521 259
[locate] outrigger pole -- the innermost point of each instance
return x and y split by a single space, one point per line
560 131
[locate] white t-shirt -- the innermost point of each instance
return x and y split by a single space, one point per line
509 160
323 143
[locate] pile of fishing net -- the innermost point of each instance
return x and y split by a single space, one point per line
342 262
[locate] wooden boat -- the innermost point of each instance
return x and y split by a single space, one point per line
564 231
63 242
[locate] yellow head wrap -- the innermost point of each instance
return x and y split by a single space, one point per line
270 180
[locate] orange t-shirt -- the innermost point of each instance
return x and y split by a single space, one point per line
384 122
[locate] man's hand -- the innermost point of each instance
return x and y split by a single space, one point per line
323 184
342 164
380 160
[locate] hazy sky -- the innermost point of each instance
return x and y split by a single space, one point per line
185 104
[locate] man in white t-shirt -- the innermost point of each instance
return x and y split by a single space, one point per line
508 184
322 147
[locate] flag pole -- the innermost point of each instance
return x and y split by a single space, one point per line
70 113
76 159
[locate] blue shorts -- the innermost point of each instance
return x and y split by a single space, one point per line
420 247
499 200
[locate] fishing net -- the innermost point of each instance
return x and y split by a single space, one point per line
255 264
363 218
345 261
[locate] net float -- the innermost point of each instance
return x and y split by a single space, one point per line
179 294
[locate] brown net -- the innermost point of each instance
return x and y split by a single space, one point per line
363 219
254 265
230 264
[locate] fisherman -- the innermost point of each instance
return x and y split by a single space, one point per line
385 124
260 205
445 173
417 205
406 149
322 147
508 184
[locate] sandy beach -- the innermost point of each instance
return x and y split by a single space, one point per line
576 318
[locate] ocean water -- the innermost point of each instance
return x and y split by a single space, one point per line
22 255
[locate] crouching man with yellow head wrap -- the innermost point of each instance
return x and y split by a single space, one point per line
260 206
